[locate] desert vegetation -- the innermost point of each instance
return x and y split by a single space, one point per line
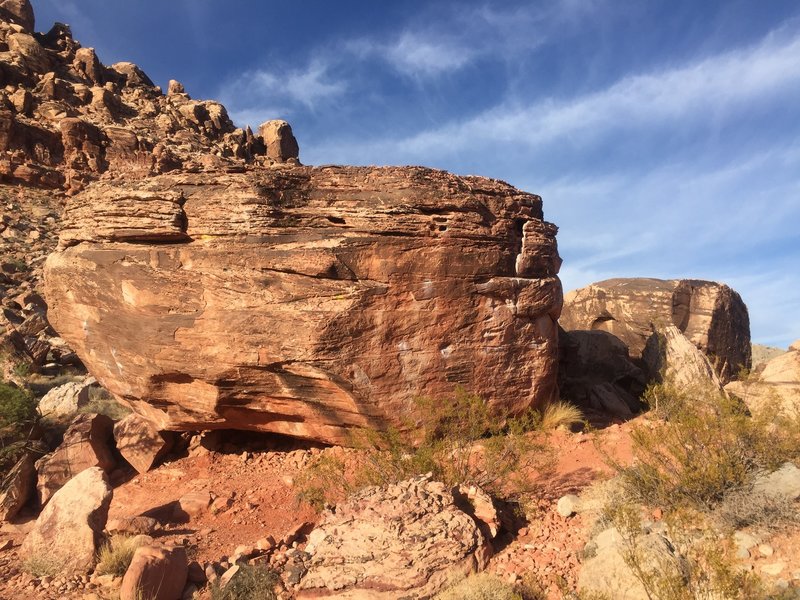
458 441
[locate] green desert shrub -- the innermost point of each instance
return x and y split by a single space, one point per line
458 440
17 422
251 582
707 445
17 407
702 563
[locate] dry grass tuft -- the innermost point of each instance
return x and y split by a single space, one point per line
115 556
482 586
41 566
560 414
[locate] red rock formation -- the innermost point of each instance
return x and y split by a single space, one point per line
308 301
711 315
66 119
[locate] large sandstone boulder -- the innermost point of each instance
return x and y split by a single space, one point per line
671 356
155 573
69 529
777 382
308 301
65 400
615 564
711 315
87 443
408 540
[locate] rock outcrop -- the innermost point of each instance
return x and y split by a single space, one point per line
408 540
671 356
87 443
68 532
67 119
711 315
777 382
17 486
308 301
596 371
155 573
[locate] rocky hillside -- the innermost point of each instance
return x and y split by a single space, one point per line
66 119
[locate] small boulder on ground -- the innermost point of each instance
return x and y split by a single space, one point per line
17 487
87 443
607 572
140 442
155 573
784 481
132 525
408 539
65 400
69 530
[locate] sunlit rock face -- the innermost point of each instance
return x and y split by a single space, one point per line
711 315
311 302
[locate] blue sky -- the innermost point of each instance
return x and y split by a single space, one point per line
664 136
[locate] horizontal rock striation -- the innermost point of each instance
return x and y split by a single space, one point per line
308 301
711 315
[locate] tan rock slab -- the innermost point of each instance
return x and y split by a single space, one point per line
69 530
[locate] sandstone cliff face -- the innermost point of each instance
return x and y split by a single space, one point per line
308 301
711 315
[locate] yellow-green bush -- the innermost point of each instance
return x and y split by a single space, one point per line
706 446
459 440
17 420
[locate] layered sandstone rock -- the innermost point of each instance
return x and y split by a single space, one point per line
87 443
676 360
408 540
308 301
776 383
711 315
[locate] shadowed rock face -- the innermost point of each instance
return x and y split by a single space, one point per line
711 315
308 301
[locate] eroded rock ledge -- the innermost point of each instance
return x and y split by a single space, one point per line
308 301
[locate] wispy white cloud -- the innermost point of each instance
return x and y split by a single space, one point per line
713 86
261 94
420 54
